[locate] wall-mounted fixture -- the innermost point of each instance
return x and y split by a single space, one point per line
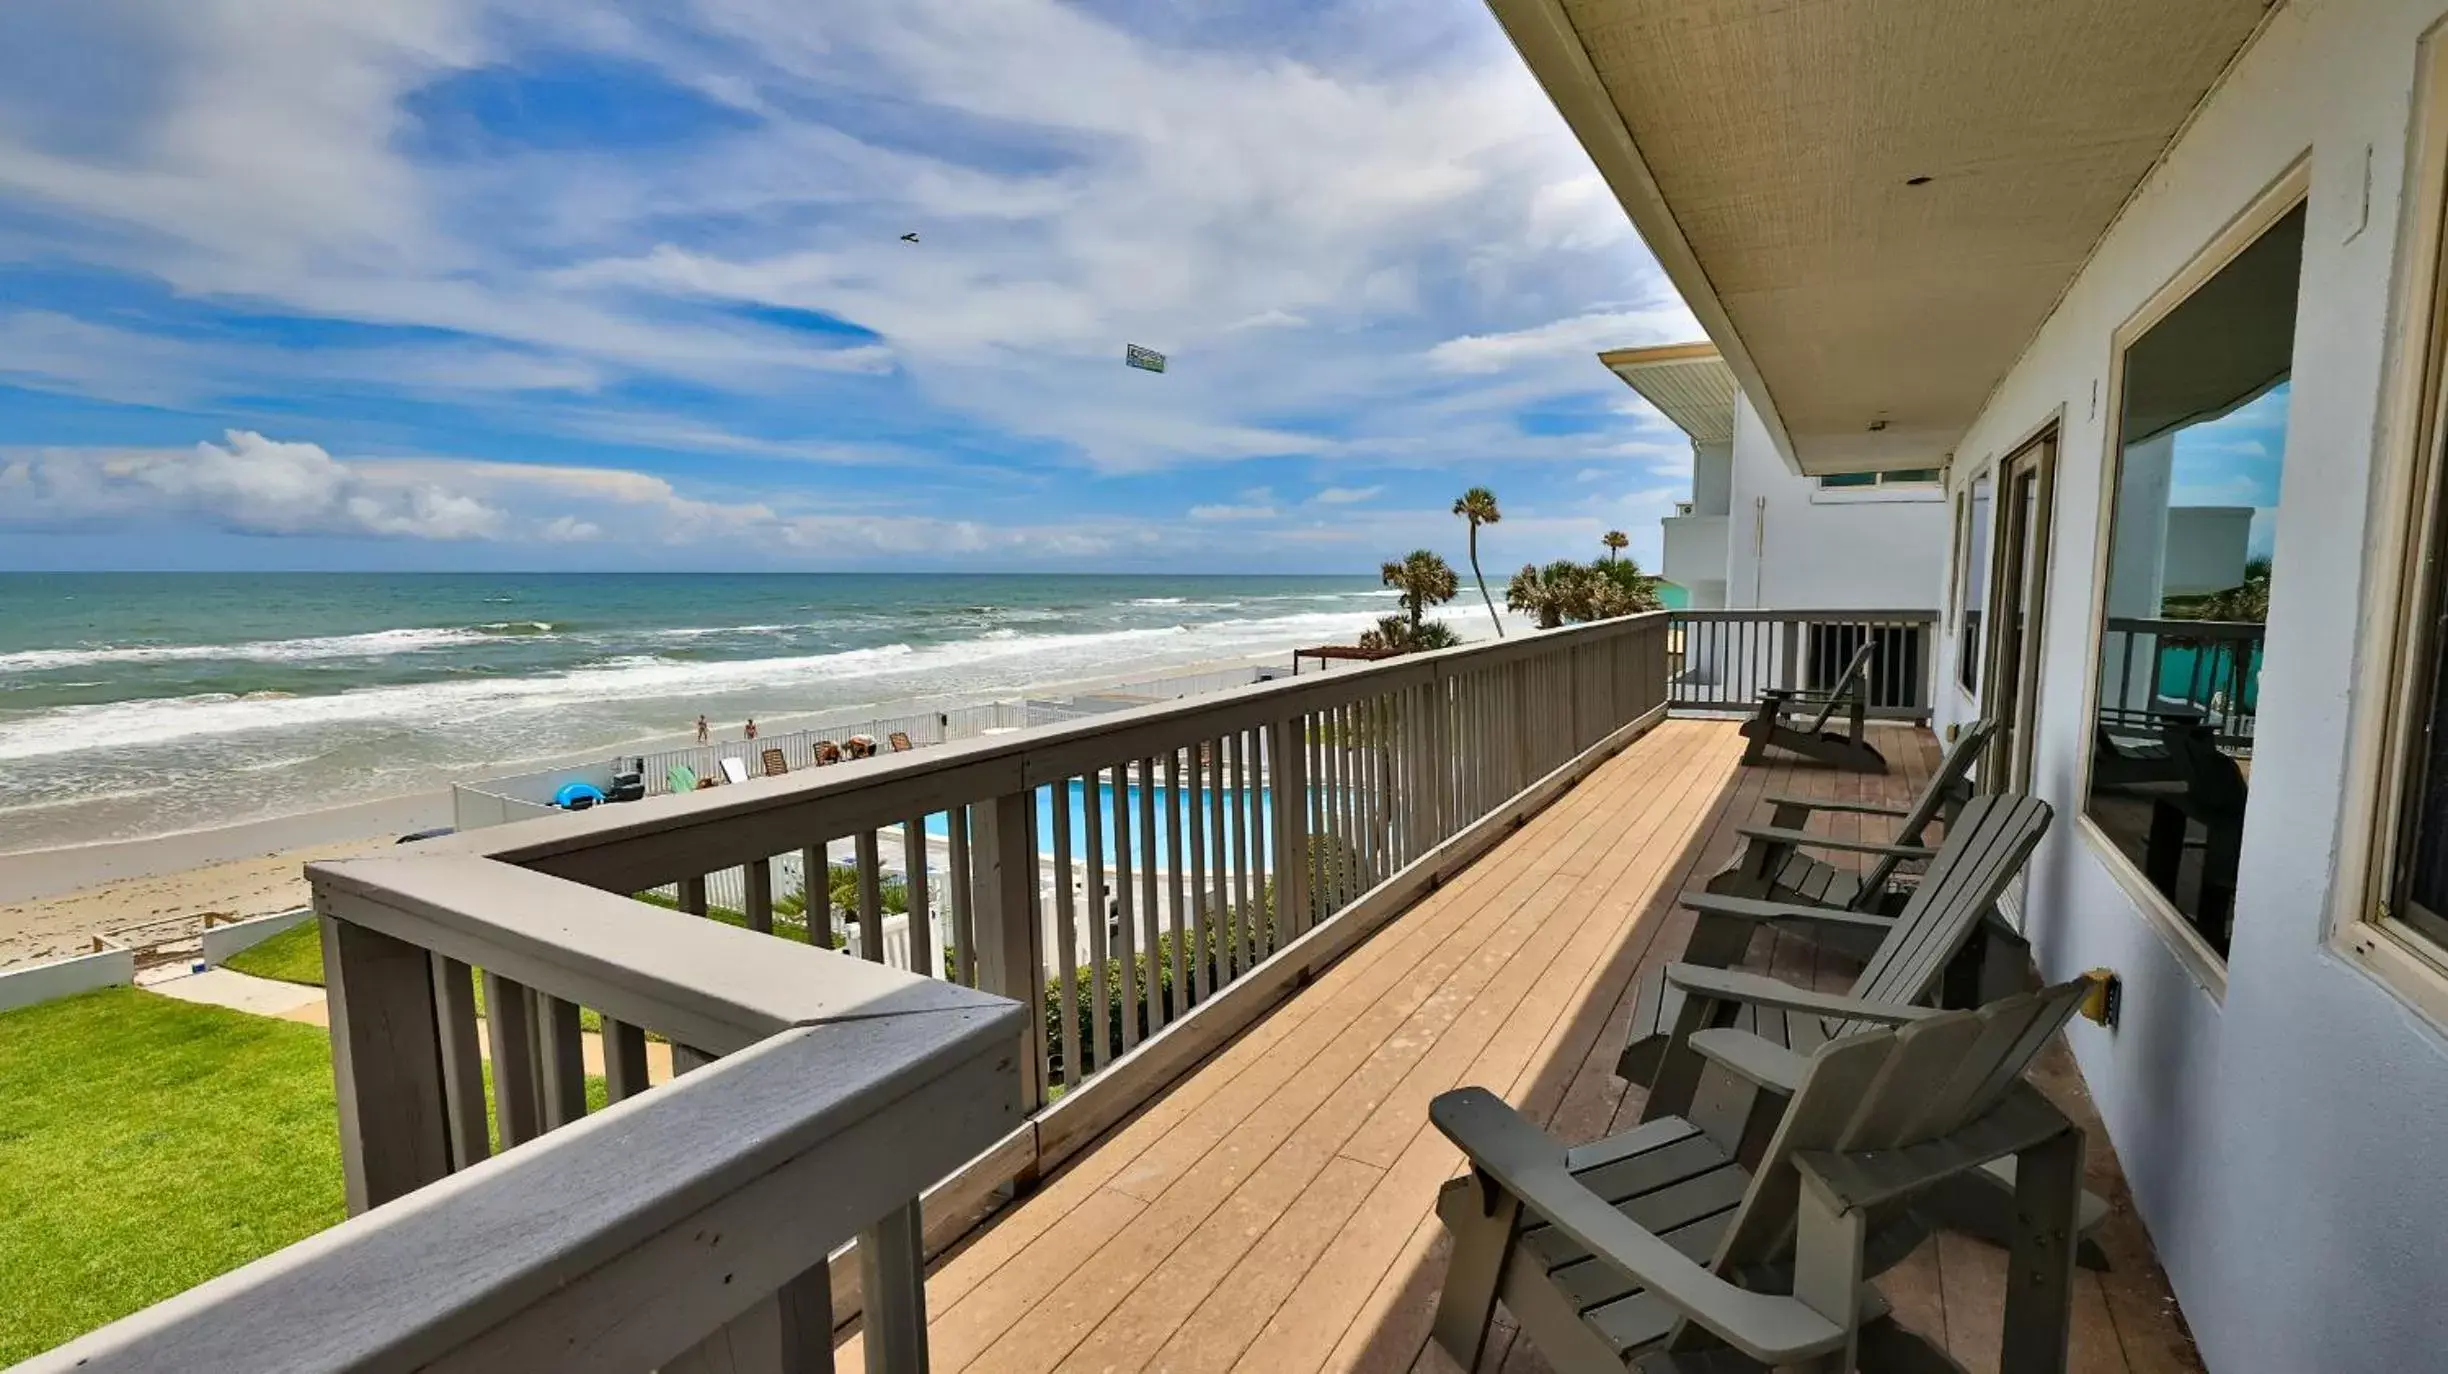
1916 181
2105 999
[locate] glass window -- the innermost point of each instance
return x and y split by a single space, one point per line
1972 587
2201 442
1899 477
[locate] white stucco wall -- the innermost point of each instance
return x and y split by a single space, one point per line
2284 1144
1790 546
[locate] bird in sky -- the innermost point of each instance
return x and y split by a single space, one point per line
909 238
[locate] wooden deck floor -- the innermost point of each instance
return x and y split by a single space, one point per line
1273 1211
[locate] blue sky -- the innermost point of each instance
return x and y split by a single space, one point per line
2236 460
447 283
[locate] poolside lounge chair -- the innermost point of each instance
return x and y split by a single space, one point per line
899 741
1772 864
827 752
734 770
1746 1241
776 763
1780 707
859 747
680 778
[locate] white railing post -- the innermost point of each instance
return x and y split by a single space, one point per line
892 1292
1287 744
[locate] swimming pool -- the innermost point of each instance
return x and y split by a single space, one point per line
1164 798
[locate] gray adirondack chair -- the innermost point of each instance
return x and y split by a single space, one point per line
1773 866
1731 1242
1774 724
1985 847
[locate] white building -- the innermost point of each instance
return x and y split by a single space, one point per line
1760 536
2102 264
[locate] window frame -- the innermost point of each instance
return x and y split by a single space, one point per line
2410 501
2289 190
1965 602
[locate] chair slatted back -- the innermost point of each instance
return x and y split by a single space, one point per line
1984 850
776 763
1889 1089
1852 681
1944 786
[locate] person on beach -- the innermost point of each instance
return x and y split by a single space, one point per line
703 730
750 731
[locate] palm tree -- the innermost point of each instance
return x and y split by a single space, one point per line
1551 593
1615 540
1478 506
1424 579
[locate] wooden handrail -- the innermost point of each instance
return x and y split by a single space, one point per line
632 1235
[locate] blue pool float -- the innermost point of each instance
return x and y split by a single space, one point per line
578 796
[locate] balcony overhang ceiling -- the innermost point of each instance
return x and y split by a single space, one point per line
1767 151
1689 384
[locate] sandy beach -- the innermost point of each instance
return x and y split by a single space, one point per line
166 905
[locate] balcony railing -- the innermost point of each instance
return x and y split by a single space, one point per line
1723 660
2209 669
1178 869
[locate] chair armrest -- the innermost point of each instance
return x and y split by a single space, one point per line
1753 909
1848 808
1733 985
1805 839
1867 1179
1752 1059
1520 1158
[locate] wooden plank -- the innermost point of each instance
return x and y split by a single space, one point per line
517 1070
463 1090
395 1130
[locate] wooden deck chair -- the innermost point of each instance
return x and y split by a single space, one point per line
827 752
1747 1242
1773 866
1849 748
899 741
775 762
1984 850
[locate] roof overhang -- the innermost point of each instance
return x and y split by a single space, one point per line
1872 205
1689 384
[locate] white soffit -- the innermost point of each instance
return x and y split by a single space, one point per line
1690 384
1763 149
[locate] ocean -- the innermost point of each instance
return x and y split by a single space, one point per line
141 704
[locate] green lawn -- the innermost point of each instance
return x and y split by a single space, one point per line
293 956
146 1145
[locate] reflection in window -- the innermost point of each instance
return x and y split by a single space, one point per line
2201 443
1972 587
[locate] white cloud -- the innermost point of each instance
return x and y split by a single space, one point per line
1346 496
1584 335
1232 512
248 485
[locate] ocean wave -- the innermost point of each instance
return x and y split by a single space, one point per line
372 644
993 660
1158 600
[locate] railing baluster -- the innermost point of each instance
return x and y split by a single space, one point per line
624 1050
871 900
759 904
1150 857
1100 996
1248 797
1066 936
964 924
562 1060
509 1026
892 1291
921 918
1126 910
386 1064
1194 809
1177 880
463 1093
1286 752
1218 896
